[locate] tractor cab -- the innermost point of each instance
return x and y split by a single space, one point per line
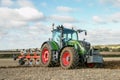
63 35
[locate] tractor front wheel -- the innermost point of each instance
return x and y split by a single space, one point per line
69 58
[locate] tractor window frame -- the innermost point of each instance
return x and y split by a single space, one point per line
70 36
75 37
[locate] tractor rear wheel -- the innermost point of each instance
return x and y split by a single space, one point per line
69 58
46 56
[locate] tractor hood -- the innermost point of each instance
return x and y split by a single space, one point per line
80 46
85 44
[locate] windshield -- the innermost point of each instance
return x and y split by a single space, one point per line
56 36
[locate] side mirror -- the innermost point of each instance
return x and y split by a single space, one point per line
85 32
79 31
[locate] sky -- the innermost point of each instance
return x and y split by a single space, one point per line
28 23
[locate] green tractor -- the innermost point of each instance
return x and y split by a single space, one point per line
66 50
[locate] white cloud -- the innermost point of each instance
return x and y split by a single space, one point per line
103 36
40 27
18 23
113 2
19 17
9 18
98 19
69 25
65 19
64 9
44 4
2 33
25 3
26 37
15 28
6 2
30 13
16 3
114 18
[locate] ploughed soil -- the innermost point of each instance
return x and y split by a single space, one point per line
10 70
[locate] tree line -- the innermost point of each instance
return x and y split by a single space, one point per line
106 48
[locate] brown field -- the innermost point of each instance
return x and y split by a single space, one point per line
9 70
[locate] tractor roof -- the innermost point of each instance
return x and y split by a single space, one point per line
65 30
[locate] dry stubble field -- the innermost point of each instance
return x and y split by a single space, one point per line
9 70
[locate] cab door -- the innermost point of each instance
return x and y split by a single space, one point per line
57 37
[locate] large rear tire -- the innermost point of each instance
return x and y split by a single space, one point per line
46 56
69 58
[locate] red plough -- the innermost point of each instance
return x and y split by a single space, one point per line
28 57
